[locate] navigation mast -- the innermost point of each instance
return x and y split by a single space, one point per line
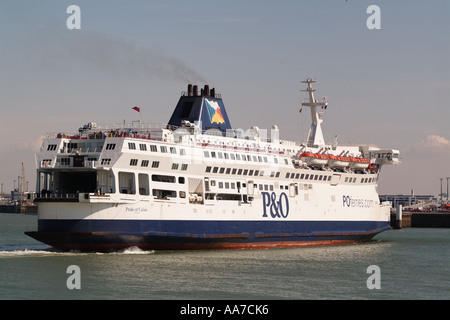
315 135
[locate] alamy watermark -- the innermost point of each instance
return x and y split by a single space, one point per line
374 21
74 20
374 280
74 280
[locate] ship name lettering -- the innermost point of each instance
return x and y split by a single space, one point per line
136 210
277 208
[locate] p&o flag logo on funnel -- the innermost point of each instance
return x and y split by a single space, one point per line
215 116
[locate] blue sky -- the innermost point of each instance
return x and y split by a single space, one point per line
388 87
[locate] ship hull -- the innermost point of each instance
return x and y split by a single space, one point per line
107 236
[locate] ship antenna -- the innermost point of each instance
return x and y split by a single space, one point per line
315 136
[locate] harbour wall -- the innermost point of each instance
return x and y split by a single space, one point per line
421 220
7 208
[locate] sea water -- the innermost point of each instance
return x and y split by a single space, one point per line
409 263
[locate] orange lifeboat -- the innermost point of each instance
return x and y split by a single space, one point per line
314 159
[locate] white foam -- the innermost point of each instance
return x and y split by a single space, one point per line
134 250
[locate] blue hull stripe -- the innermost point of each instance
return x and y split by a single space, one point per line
211 227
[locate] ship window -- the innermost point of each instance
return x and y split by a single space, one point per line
144 163
208 169
133 162
173 150
65 161
278 174
131 146
238 157
163 194
292 175
228 171
220 155
126 183
286 161
51 147
143 184
163 149
163 178
245 172
302 176
181 180
106 161
222 170
271 187
256 172
155 164
110 146
255 159
232 156
249 157
226 155
287 175
206 153
227 185
234 171
182 152
265 159
275 160
184 167
143 147
239 172
153 148
272 174
220 185
215 169
233 185
228 197
213 154
175 166
250 173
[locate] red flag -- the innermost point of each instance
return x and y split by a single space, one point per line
137 109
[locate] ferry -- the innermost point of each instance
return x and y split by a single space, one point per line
197 183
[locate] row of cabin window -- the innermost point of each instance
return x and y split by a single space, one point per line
155 164
207 154
232 185
239 157
234 171
273 174
154 148
363 180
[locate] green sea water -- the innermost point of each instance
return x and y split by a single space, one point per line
412 263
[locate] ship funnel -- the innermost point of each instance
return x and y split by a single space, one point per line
206 109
